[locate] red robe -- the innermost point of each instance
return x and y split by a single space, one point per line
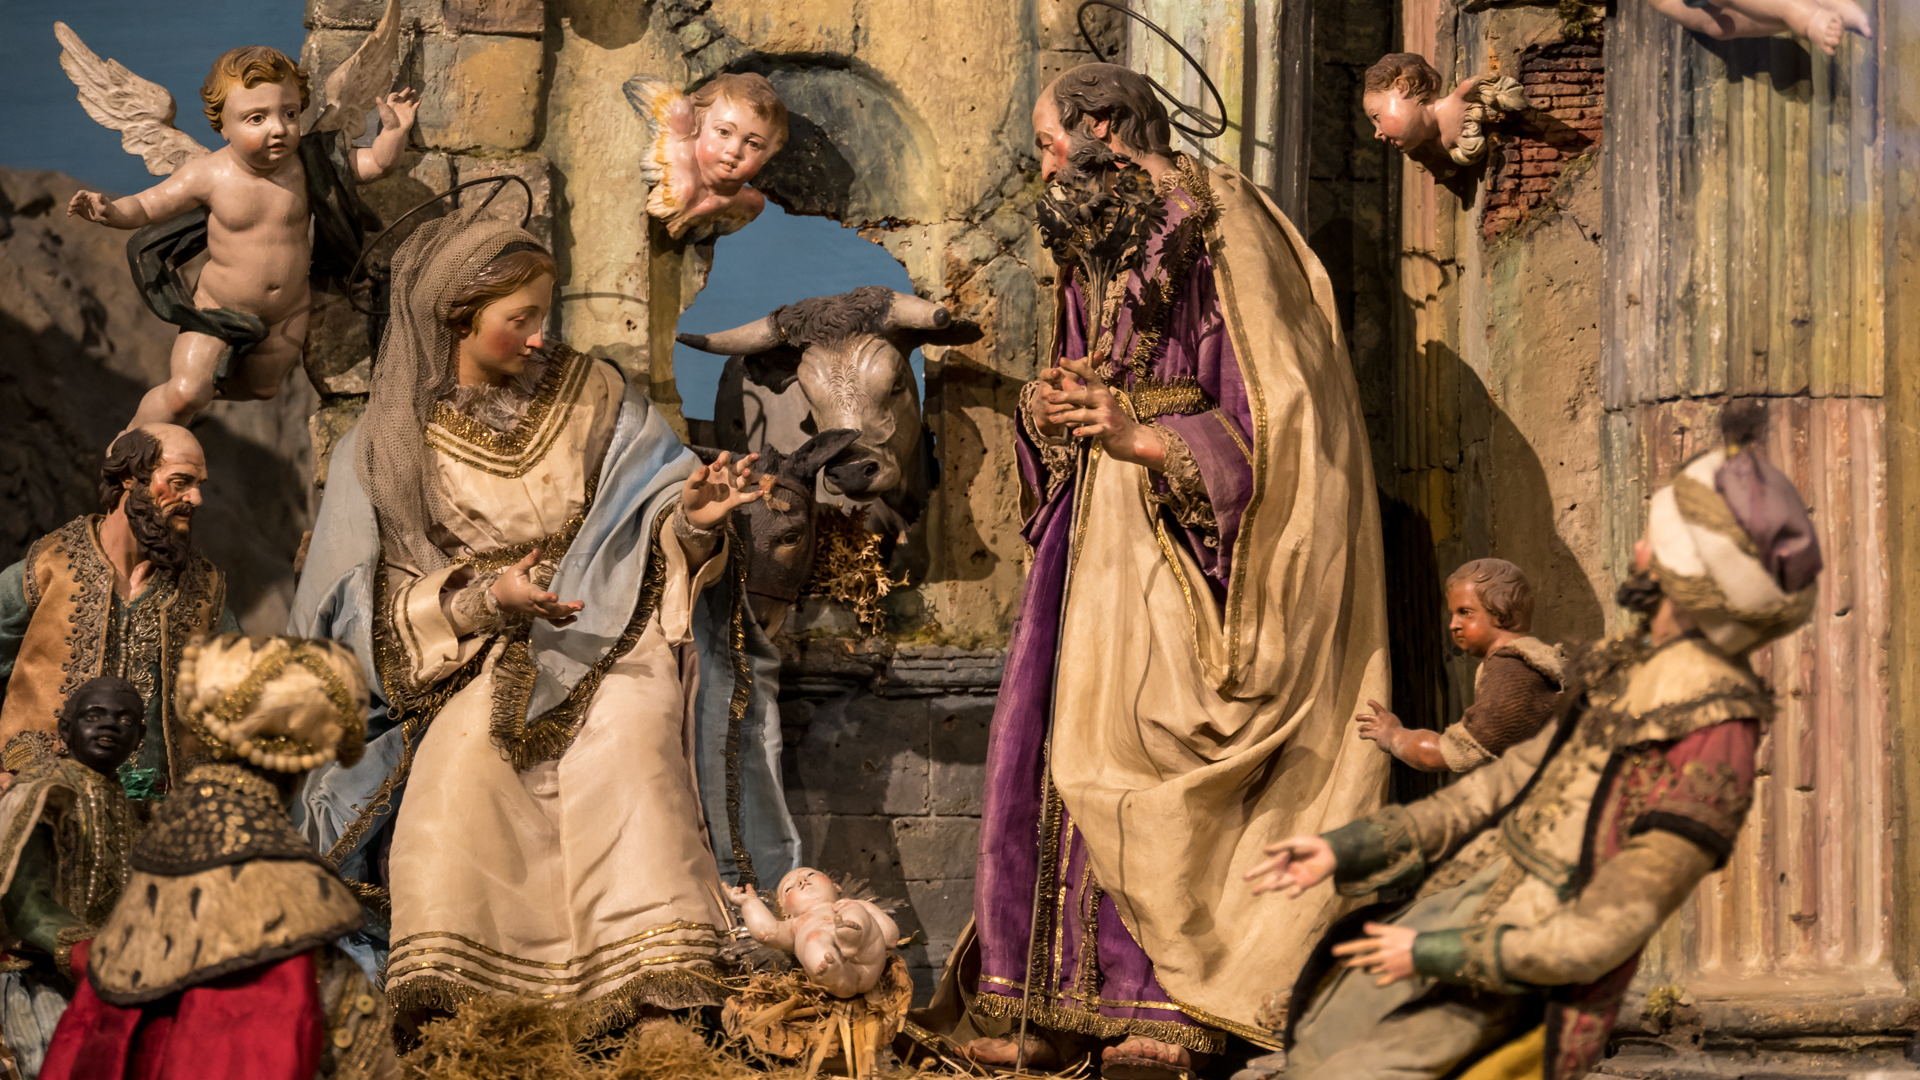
264 1023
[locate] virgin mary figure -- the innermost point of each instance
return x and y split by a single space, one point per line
571 754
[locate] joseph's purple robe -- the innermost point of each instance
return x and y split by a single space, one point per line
1092 976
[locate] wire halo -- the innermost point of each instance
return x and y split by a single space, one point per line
1217 124
499 184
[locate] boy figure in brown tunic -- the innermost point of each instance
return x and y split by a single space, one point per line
1491 608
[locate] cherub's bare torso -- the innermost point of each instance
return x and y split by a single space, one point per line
259 236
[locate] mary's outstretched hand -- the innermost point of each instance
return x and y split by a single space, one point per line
712 491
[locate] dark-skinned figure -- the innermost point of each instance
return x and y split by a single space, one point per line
65 827
210 966
118 593
1206 571
1538 879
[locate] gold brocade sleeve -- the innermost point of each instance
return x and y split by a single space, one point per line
1451 816
434 648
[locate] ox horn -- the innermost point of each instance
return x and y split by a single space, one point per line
756 336
909 312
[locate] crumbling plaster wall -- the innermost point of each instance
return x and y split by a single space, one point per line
1493 434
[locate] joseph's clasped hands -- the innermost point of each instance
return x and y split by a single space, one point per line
1077 401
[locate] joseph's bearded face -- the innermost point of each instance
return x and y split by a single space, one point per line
160 511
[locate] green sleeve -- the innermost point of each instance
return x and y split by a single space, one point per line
32 913
1376 852
1467 956
15 614
229 624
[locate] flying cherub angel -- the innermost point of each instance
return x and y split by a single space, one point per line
704 147
1823 22
270 208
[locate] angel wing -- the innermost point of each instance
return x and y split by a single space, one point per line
667 114
355 86
141 111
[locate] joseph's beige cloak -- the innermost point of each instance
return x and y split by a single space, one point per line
1187 735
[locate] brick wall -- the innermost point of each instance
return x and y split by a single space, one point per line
1567 84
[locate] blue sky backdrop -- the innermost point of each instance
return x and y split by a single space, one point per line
776 260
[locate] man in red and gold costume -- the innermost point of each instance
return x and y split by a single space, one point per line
209 967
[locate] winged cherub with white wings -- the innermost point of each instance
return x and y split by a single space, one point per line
255 191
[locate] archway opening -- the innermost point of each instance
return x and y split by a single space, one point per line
779 259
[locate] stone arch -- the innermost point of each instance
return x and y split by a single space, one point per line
856 151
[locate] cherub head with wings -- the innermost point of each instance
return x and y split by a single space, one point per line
704 147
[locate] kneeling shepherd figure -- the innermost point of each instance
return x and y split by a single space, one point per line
1542 876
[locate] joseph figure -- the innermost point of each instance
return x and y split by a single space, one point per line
118 593
1203 615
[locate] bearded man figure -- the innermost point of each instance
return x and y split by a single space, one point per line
1203 614
118 594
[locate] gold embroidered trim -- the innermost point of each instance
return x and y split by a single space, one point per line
1080 1022
453 959
29 580
737 706
1258 1036
530 742
512 454
1181 396
1186 496
1234 434
678 988
92 577
400 947
1256 407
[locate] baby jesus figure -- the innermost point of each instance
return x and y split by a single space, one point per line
259 236
703 149
843 944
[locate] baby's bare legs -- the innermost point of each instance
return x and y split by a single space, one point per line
1822 22
189 387
264 370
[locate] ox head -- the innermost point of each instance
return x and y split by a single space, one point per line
849 354
778 530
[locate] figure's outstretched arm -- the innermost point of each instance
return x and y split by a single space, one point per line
175 195
397 112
